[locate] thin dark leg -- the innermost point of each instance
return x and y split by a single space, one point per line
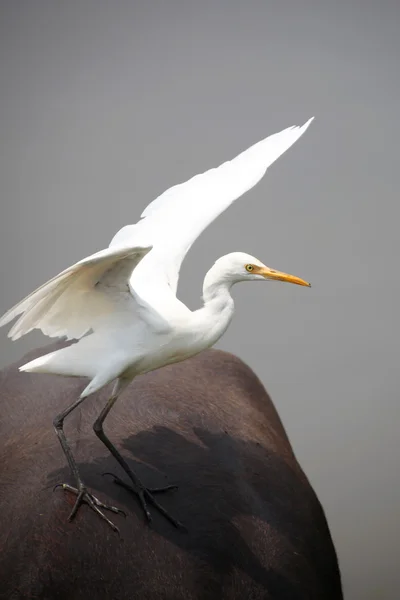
138 487
80 491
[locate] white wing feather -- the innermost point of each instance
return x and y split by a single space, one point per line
76 299
71 304
174 220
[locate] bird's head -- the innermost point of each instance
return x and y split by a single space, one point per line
239 266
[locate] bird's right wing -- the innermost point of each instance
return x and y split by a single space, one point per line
173 221
78 298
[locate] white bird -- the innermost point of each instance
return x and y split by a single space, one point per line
121 304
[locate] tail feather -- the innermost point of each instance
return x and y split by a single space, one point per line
73 360
51 363
83 359
38 365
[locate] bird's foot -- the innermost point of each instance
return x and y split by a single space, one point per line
85 497
146 495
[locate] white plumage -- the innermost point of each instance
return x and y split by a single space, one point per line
120 303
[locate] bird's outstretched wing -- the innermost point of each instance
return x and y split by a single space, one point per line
76 299
174 220
87 293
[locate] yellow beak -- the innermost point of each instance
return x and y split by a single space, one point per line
279 276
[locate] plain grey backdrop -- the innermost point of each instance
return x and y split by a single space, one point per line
103 105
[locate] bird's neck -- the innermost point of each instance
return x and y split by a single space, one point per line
216 288
218 307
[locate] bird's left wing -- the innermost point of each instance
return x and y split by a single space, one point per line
77 299
80 297
173 221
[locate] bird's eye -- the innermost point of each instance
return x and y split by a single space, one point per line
249 268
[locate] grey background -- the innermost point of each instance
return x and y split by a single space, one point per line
103 105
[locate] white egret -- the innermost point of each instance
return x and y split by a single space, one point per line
121 304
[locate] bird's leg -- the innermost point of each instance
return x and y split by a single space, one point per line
144 494
83 496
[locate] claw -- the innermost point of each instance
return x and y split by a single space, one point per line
83 496
147 493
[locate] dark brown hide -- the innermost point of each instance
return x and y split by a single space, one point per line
255 527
